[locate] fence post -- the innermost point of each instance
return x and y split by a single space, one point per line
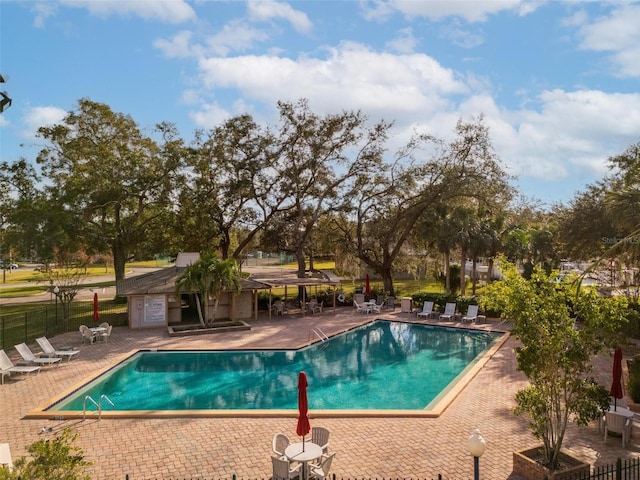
619 469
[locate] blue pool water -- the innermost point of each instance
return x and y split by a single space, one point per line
382 365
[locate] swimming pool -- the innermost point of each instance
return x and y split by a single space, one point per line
382 365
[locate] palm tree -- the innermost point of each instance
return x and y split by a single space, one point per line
209 277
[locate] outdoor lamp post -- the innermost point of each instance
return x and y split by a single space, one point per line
476 446
56 291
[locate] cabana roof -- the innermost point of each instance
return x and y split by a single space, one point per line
163 281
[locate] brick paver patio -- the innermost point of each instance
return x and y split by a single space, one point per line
217 448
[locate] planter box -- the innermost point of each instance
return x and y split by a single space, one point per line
525 463
184 331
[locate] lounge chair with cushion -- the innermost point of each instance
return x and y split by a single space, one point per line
30 359
48 350
449 311
472 314
427 310
7 367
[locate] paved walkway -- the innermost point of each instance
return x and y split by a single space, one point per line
217 448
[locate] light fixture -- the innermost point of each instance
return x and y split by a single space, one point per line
476 445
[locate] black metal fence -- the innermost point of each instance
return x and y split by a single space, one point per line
620 470
54 319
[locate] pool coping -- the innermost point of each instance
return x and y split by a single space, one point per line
433 410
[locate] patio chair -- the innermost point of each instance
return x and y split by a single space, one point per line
104 325
278 308
282 469
30 359
104 336
427 310
279 444
375 308
48 350
362 307
7 367
321 471
320 436
391 302
449 311
618 424
318 307
87 334
472 314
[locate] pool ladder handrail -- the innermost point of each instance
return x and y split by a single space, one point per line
97 404
318 333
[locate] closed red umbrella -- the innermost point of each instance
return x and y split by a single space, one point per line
96 313
303 427
367 285
616 385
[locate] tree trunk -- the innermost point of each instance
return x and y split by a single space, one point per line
119 259
447 272
474 271
463 269
387 280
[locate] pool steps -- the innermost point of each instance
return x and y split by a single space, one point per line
97 404
318 333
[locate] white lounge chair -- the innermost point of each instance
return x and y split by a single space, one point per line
427 310
322 471
320 436
28 356
617 423
5 457
449 311
472 314
7 367
48 350
282 469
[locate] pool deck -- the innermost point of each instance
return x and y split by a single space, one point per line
217 448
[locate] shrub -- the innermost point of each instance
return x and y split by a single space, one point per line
51 459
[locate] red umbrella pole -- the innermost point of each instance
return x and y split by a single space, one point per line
96 312
616 385
303 426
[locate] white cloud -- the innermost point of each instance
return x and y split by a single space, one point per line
36 117
352 76
470 10
42 11
617 33
234 36
179 46
210 116
404 42
571 133
166 11
4 122
268 9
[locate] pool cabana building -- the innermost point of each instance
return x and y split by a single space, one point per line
153 301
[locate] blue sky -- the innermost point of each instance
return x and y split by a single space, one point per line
557 81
